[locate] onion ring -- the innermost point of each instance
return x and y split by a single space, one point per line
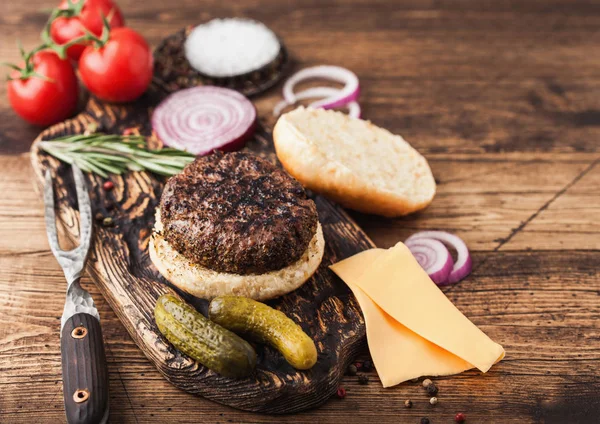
202 119
353 106
344 96
463 265
433 257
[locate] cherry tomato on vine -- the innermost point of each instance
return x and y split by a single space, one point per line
75 17
120 68
45 90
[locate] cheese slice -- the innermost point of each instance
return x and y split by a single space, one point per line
399 354
412 327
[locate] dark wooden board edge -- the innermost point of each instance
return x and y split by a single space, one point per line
119 265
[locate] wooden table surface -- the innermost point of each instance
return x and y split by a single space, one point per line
502 97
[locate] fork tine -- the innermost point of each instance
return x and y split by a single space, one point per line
49 214
85 210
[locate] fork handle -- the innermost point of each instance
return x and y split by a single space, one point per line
84 371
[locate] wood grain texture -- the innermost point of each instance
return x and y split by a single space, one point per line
120 265
84 371
503 100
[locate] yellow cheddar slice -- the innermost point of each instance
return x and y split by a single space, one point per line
393 291
399 354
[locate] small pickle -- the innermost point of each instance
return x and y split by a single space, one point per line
264 324
208 343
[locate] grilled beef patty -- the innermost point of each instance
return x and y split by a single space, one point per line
237 213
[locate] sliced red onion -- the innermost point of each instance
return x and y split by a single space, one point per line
354 110
347 94
202 119
433 257
309 93
463 265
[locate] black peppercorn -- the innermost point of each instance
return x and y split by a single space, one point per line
99 217
367 365
363 379
352 370
432 390
424 420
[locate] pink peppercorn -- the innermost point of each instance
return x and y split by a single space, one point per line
108 186
341 393
460 417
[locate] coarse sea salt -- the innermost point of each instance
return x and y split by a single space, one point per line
230 47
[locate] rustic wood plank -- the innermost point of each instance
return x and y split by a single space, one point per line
479 201
543 337
474 85
482 197
577 210
524 96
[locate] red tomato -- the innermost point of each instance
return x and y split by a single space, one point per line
64 29
45 101
119 71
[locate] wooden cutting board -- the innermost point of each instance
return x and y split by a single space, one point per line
119 264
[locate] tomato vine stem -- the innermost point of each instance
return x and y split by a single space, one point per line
74 10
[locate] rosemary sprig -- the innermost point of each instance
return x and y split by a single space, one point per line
105 154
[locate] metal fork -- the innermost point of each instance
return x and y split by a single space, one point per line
85 375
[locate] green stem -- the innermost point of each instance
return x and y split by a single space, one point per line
73 10
28 70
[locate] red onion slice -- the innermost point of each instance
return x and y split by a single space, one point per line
202 119
433 257
347 94
463 265
353 107
354 110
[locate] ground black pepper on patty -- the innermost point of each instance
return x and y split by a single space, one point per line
237 213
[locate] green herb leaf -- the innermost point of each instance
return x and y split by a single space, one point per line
108 153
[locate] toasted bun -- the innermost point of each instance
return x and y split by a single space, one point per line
207 284
357 164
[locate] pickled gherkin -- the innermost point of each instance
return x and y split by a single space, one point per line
263 324
208 343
